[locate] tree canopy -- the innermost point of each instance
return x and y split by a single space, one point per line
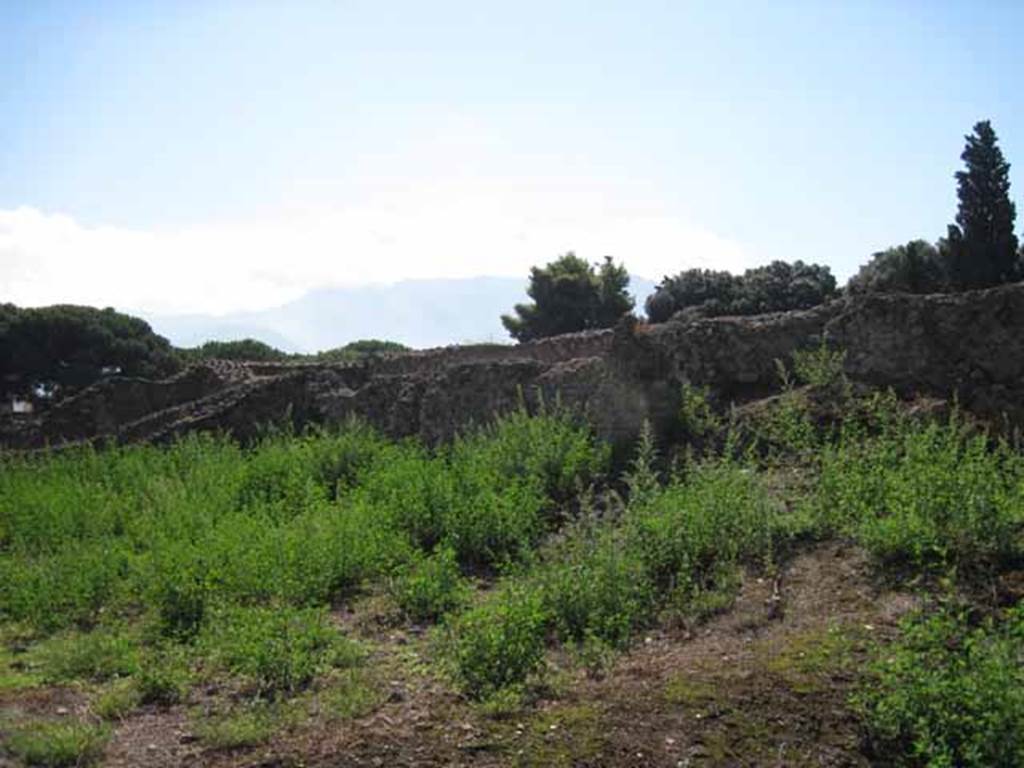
241 349
62 348
357 350
916 267
569 295
983 247
255 350
776 287
979 250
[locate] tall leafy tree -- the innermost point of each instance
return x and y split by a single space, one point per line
982 246
570 295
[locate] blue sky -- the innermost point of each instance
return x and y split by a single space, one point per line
276 147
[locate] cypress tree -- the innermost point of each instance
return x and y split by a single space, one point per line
982 243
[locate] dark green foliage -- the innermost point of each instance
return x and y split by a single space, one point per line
571 295
949 693
63 348
982 244
714 292
357 350
776 287
917 267
254 350
245 349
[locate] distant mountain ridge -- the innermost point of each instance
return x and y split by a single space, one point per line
417 313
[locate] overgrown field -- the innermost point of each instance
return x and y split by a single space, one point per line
233 586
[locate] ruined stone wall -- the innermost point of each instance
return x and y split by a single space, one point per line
970 344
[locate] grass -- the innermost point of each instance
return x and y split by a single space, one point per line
348 694
99 655
58 744
808 661
247 727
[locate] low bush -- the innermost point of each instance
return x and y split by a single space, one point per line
278 649
926 497
600 582
100 655
594 587
950 693
429 586
247 727
163 676
554 451
499 643
58 744
700 525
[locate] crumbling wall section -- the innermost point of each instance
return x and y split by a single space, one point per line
968 344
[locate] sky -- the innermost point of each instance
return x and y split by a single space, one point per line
232 155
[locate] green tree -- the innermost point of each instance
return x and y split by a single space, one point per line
982 246
775 287
62 348
570 295
359 350
243 349
912 268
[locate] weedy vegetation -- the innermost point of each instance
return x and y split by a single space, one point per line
142 574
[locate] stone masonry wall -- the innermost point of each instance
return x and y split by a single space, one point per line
969 344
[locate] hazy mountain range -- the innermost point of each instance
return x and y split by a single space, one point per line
418 313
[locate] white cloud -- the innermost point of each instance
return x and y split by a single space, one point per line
407 232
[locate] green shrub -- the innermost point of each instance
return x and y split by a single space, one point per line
58 744
99 655
697 419
246 727
163 676
178 589
925 497
499 643
696 527
278 649
459 499
821 367
117 700
66 587
429 586
554 450
949 693
595 587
